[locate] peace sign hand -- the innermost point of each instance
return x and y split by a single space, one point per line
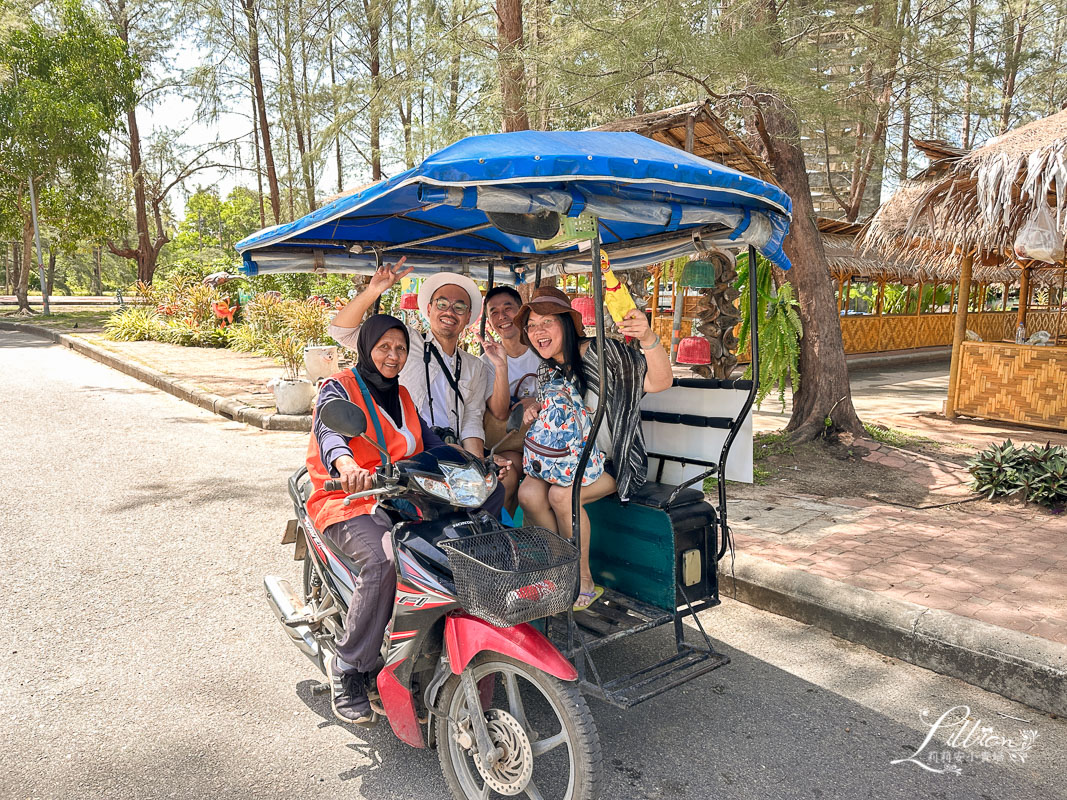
387 275
496 352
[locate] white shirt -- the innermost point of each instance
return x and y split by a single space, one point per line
472 383
522 374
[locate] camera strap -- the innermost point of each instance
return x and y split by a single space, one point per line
453 381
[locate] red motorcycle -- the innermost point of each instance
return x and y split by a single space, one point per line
462 669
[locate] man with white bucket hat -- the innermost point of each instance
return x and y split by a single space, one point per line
447 384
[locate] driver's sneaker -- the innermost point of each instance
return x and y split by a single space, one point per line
348 694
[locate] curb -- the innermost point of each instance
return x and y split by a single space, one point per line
225 407
1018 666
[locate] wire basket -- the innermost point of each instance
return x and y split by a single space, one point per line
513 575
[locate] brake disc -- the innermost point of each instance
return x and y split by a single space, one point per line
510 774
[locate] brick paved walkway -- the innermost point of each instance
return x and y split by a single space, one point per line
1001 564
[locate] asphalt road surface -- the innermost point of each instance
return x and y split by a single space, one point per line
140 659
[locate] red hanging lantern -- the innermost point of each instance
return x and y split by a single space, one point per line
694 350
585 306
409 302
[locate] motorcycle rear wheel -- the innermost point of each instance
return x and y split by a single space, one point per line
553 715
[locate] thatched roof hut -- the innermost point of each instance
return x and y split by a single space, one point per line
695 128
977 202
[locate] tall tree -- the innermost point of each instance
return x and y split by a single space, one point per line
512 73
66 81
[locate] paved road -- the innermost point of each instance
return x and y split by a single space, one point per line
140 661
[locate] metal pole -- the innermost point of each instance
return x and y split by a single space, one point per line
485 311
596 282
679 305
37 240
735 427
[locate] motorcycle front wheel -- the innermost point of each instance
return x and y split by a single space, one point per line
541 725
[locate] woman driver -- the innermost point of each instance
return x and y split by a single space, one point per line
554 330
361 530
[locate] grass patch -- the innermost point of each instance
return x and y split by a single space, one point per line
897 438
89 320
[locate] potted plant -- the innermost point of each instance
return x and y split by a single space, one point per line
292 394
309 320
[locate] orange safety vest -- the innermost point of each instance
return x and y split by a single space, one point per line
328 508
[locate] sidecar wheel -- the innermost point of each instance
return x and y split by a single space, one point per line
543 725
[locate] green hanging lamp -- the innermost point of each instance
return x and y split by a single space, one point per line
699 274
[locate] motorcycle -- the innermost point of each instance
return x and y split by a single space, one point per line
461 667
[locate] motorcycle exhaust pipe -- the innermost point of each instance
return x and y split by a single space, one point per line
283 601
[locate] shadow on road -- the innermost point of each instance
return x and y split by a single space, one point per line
194 493
24 341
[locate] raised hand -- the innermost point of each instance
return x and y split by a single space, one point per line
388 274
635 325
496 352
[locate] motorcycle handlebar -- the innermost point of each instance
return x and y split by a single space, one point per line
332 486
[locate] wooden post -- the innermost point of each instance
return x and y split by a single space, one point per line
880 302
1024 300
676 327
917 339
959 334
1059 308
840 293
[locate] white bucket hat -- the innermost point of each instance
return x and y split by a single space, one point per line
436 281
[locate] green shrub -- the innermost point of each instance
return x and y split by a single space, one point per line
1037 474
134 324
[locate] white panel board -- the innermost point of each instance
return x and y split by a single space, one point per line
702 443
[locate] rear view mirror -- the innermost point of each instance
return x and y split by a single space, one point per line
344 417
515 418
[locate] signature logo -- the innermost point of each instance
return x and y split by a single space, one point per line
958 737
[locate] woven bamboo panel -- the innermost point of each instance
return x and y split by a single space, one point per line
935 330
1013 383
993 326
860 334
1041 321
898 333
663 328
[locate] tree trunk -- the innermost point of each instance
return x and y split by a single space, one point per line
824 392
297 116
22 289
145 265
972 27
259 162
372 9
98 281
512 73
252 16
333 94
7 272
1011 68
50 271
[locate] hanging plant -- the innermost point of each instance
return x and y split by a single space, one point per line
779 330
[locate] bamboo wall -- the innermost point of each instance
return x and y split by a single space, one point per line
1013 383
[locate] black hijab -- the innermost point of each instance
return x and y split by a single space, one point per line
385 391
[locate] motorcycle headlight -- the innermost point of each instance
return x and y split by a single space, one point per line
433 486
469 486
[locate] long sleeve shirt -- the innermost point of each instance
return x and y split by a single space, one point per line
467 415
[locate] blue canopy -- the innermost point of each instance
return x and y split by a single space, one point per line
651 201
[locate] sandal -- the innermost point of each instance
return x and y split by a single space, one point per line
586 599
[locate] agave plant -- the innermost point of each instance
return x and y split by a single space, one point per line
1038 474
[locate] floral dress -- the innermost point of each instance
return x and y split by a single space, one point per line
555 440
